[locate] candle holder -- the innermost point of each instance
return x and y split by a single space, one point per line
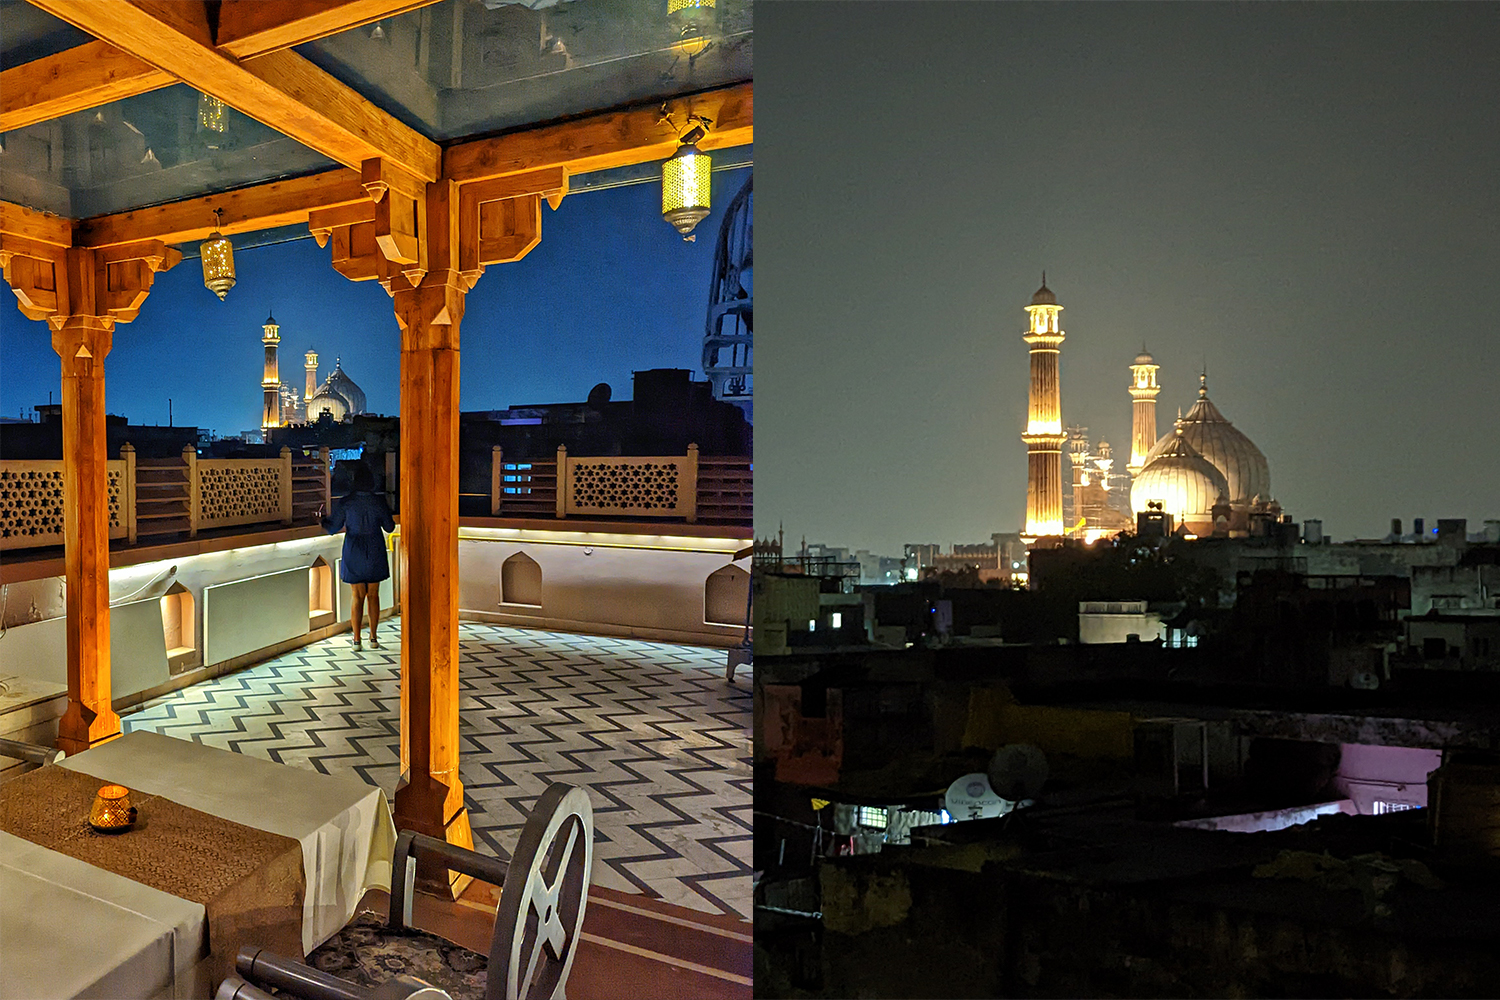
112 811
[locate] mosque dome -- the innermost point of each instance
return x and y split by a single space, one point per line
1212 435
1185 483
1144 359
1044 295
353 395
325 400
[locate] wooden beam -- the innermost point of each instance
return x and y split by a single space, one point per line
249 28
97 73
613 139
81 78
548 154
17 220
281 89
264 206
324 221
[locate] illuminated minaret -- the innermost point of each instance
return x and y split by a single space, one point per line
1143 390
270 382
310 362
1044 435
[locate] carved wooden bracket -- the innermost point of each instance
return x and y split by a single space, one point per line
500 220
54 283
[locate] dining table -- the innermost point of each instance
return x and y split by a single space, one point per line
229 849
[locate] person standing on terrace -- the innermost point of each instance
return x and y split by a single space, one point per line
363 517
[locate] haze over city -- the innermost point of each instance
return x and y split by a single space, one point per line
1301 199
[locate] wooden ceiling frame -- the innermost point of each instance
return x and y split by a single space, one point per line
280 89
616 138
97 73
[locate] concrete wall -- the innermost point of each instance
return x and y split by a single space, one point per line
236 622
1095 628
246 615
1370 774
640 586
137 649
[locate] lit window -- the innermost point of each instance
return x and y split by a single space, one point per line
872 816
838 620
812 624
1383 807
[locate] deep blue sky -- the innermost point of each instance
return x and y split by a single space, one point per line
1305 196
611 289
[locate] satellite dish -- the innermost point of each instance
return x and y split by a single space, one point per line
971 797
1018 771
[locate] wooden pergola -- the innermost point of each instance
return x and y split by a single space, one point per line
422 219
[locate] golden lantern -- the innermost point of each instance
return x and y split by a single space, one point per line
112 811
685 178
691 19
218 260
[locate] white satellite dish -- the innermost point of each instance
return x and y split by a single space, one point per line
971 797
1018 771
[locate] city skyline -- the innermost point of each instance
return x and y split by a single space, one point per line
1299 199
516 325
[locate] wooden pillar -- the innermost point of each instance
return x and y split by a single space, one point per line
497 465
82 342
430 798
82 294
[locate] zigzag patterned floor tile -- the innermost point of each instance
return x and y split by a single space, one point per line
651 729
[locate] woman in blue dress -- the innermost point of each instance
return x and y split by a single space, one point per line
362 515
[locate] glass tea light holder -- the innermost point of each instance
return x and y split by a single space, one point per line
112 811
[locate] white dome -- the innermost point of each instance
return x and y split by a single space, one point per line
329 402
1185 483
1212 436
342 384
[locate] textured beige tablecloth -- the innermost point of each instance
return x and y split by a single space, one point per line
250 881
344 825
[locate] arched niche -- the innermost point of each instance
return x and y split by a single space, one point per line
179 621
726 594
521 581
319 589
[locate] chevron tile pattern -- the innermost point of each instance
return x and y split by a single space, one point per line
652 730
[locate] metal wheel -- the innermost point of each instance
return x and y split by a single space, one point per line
540 917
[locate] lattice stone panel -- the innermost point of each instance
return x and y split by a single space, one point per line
31 503
651 487
239 491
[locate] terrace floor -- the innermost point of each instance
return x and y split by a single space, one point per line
651 730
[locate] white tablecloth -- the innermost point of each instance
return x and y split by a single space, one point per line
344 825
68 929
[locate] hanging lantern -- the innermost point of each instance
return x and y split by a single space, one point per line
685 185
213 120
690 11
218 261
691 20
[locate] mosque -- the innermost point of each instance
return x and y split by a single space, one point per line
1205 473
338 397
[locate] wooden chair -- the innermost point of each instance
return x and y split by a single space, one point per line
544 890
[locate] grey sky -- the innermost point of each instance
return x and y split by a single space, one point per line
1305 197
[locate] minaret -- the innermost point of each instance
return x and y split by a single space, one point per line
1143 390
1044 435
310 362
270 382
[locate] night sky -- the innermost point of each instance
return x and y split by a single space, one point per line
610 289
1305 198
